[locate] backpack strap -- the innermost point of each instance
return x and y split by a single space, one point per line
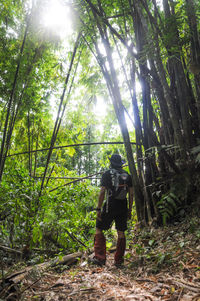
115 178
109 193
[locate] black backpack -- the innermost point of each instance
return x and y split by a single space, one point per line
119 179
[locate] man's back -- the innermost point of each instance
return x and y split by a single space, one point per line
117 181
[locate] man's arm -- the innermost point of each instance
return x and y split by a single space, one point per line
100 201
130 201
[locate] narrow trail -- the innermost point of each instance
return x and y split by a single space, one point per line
108 283
89 282
160 264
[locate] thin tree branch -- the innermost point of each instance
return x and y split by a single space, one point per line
65 146
58 119
63 111
80 179
63 178
75 181
74 238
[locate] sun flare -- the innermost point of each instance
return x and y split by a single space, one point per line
57 18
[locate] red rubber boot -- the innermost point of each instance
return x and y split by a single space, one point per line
119 255
99 249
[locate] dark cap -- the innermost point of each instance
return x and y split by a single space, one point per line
116 161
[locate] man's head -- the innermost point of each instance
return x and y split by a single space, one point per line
116 161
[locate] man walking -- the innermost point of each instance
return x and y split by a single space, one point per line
116 183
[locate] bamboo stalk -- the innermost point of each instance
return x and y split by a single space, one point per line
10 102
58 119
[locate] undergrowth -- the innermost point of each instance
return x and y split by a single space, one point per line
167 248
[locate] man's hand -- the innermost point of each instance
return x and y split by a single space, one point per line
99 215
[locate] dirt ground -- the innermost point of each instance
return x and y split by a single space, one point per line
160 264
89 282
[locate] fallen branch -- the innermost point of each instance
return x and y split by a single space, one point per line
10 250
12 281
67 259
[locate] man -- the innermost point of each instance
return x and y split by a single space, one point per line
116 184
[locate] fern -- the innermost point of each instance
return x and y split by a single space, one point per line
168 206
196 152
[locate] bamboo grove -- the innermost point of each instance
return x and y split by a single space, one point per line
154 43
163 53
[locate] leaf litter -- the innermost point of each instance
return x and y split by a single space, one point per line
167 268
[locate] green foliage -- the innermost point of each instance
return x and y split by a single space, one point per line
71 211
62 220
168 206
18 208
174 198
59 222
157 258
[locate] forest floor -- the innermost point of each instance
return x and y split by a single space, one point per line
160 264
